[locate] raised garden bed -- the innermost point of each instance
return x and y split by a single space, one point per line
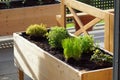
40 61
17 19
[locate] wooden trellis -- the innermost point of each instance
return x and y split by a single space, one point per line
99 15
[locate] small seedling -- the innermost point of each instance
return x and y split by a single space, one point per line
100 58
75 47
56 35
72 48
87 43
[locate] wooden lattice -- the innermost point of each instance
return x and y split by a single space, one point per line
88 10
103 4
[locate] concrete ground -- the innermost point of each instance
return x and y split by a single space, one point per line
7 69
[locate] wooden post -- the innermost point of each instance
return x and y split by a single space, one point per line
107 32
21 74
111 32
63 14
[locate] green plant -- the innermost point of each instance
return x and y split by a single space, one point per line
75 47
87 43
37 30
100 58
7 2
72 48
56 35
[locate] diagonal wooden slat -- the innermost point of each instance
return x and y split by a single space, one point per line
93 11
87 26
77 19
85 8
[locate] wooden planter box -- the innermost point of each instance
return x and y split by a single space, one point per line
17 19
40 65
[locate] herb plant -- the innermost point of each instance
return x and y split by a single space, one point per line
56 35
75 47
100 58
37 30
72 48
87 43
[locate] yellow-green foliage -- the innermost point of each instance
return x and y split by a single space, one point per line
75 47
72 48
56 35
36 30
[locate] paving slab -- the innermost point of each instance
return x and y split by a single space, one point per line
6 54
7 69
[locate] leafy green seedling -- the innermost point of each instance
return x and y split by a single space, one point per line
75 47
72 48
56 35
87 43
100 58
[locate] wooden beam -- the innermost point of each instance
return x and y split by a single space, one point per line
63 14
21 74
85 8
80 14
77 20
107 32
87 26
111 32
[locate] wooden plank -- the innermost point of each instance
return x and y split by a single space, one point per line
87 26
85 19
107 32
111 32
78 20
85 8
63 14
21 74
18 19
103 74
58 17
110 10
85 14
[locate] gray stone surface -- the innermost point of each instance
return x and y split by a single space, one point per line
6 54
7 69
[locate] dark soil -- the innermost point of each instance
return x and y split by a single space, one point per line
82 64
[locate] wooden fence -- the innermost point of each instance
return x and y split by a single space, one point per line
98 14
18 19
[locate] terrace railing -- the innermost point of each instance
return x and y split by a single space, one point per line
98 14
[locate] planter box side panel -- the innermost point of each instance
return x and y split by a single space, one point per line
102 74
40 65
18 19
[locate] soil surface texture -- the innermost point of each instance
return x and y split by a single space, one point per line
82 64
